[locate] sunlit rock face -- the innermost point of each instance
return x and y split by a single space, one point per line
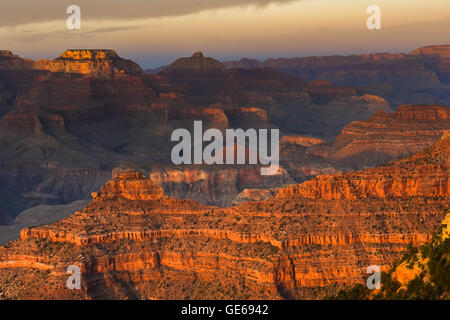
423 175
67 123
131 186
132 242
92 62
387 136
95 55
78 61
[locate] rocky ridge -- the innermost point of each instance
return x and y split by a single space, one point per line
197 63
89 111
90 61
132 242
387 136
421 76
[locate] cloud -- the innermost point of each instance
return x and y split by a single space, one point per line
20 12
35 36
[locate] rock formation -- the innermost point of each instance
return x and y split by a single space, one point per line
131 186
131 242
89 111
400 78
436 58
420 274
196 64
67 123
388 136
254 195
90 61
341 69
11 61
421 175
216 185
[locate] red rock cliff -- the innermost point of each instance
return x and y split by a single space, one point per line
132 242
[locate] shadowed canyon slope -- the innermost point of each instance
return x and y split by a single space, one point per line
421 76
133 242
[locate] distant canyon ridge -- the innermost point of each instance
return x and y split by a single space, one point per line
391 75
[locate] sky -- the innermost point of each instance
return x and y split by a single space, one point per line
156 32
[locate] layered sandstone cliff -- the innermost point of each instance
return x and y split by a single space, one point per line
90 62
388 136
424 65
66 123
399 78
422 273
424 174
75 61
90 111
216 185
132 242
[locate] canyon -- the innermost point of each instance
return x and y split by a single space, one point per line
310 239
419 77
87 178
386 136
420 274
67 123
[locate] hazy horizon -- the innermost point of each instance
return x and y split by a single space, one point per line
155 33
